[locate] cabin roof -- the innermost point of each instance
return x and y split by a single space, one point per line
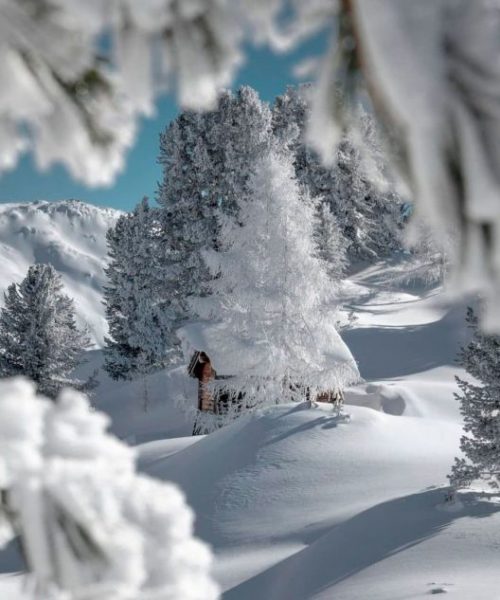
232 355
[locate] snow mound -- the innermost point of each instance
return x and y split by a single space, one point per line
282 456
71 236
300 503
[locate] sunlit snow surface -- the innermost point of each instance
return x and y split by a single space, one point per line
300 504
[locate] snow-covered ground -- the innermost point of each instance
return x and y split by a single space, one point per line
70 235
299 503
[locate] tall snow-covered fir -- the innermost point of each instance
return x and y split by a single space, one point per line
480 407
367 209
140 314
39 338
206 160
272 295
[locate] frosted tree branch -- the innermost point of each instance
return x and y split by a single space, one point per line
90 526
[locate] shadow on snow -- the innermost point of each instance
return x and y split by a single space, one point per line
358 543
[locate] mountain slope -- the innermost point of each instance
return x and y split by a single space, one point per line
70 235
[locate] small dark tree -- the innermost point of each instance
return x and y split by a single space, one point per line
480 407
39 338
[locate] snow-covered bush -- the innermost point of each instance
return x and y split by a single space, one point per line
90 526
480 407
39 338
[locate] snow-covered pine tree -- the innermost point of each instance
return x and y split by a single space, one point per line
331 243
206 160
139 315
38 334
429 259
369 218
272 296
480 407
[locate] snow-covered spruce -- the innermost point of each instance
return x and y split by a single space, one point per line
70 235
354 184
140 307
331 243
206 160
39 338
480 407
89 525
269 309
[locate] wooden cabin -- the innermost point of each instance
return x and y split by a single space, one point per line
214 353
331 396
200 367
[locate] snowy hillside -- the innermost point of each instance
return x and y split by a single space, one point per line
70 235
301 504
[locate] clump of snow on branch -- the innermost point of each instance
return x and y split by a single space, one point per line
431 69
89 525
69 101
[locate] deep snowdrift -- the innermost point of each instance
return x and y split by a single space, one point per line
155 408
71 236
299 503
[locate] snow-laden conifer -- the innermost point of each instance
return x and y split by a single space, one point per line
272 296
331 243
140 339
38 334
480 407
353 185
206 160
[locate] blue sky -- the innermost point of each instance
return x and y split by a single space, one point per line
269 74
